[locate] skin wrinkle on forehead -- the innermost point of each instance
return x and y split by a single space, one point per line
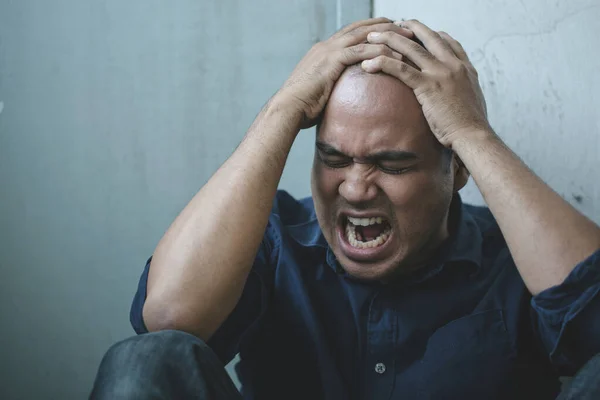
380 101
376 96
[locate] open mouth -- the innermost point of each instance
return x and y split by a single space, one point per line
367 233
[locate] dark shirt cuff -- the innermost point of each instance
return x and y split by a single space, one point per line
558 306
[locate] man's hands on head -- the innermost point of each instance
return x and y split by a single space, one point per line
447 87
310 84
445 83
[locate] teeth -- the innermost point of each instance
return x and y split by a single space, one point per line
359 221
365 221
354 242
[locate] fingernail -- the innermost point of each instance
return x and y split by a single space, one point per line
373 35
367 63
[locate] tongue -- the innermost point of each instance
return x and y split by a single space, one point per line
372 231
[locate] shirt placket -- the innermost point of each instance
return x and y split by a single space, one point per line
379 367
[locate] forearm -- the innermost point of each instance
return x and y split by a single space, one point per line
546 236
200 266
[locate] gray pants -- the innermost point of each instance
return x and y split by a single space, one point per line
176 365
586 384
163 365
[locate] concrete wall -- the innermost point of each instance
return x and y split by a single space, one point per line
112 115
540 71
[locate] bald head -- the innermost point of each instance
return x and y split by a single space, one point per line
362 99
376 108
374 93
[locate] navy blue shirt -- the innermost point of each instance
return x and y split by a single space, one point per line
465 327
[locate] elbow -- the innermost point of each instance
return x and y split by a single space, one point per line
165 315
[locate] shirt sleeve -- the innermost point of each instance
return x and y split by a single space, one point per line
135 314
567 317
250 308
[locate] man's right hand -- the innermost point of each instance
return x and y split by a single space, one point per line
311 82
198 276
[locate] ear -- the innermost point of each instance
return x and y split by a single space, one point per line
461 173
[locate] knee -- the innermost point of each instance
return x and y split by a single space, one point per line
149 349
591 368
586 383
129 366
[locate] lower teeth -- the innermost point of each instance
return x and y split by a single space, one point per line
354 242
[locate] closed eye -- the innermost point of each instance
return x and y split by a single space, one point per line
334 161
393 171
388 162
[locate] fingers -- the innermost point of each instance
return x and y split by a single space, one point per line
359 35
364 51
399 69
432 40
455 46
354 25
412 50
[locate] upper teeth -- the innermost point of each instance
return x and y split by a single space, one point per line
365 221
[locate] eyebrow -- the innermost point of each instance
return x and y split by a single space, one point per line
386 155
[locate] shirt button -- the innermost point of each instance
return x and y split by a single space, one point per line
380 368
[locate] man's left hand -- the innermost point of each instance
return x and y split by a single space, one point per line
445 83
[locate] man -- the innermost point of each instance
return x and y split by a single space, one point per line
383 285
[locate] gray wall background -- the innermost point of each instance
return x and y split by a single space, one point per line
114 113
539 67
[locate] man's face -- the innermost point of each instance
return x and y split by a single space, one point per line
381 183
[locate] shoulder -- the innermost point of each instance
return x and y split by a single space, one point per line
295 221
494 249
482 216
291 211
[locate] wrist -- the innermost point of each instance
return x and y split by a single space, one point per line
287 104
281 115
277 124
472 137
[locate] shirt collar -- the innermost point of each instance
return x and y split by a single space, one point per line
308 233
462 248
465 241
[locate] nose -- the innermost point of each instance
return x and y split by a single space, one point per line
358 187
